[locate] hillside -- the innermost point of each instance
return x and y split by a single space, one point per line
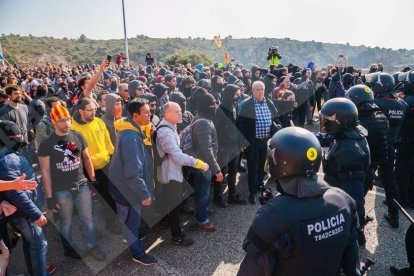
30 50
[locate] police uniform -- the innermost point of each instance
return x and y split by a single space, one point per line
310 227
347 164
405 155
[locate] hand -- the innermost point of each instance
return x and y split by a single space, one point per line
146 202
219 177
205 167
291 123
52 204
42 221
21 184
104 65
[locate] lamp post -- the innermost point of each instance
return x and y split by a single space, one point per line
125 34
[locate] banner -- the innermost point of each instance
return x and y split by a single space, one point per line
227 59
217 41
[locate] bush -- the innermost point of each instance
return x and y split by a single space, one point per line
188 57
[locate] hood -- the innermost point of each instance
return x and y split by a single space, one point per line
303 187
111 100
126 123
159 90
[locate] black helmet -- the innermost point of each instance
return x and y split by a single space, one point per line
294 151
407 79
379 82
10 135
362 96
337 115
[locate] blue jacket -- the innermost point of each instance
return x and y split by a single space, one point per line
13 165
131 169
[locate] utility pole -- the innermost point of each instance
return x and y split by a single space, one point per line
125 34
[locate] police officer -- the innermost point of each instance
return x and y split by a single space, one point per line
394 109
309 228
405 155
347 163
376 123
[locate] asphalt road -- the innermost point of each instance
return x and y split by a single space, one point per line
217 253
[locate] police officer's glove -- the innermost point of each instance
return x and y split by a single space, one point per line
201 165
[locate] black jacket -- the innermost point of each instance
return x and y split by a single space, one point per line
246 121
303 236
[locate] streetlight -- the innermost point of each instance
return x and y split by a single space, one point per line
125 34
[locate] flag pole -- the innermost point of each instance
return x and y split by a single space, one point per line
125 34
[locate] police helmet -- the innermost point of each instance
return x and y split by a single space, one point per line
407 79
294 151
362 96
380 83
337 115
10 133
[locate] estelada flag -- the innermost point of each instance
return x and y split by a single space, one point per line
227 59
217 41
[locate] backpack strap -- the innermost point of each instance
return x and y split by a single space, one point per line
154 138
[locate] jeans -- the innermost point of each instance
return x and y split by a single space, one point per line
34 245
202 181
83 201
130 217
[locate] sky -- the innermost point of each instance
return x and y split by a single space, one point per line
382 23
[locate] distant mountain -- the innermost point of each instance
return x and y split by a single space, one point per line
32 50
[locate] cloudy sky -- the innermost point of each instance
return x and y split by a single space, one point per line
358 22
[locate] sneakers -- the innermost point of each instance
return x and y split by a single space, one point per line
208 227
144 259
96 253
401 272
392 220
183 240
50 268
72 254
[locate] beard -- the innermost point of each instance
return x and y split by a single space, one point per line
17 100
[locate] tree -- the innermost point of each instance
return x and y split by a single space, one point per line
188 57
82 38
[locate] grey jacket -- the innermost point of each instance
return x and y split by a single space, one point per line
108 117
205 142
168 145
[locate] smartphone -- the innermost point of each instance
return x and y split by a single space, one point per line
109 57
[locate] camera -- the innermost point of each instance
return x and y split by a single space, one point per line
265 195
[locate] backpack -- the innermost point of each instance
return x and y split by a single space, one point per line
186 139
158 159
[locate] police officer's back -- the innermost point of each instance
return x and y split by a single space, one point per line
394 109
310 227
405 157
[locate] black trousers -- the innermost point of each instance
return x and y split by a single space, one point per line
256 159
109 209
409 245
171 199
231 168
387 174
403 171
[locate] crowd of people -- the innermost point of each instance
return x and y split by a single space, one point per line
141 136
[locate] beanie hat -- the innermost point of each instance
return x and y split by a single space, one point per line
143 79
200 67
162 71
202 100
158 79
310 65
133 85
177 97
59 112
232 79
